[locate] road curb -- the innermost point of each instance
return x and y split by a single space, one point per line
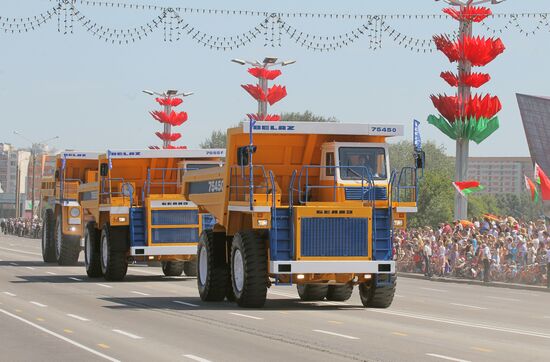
475 282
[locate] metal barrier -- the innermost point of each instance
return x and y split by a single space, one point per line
106 192
162 182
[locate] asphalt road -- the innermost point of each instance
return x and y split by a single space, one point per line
53 313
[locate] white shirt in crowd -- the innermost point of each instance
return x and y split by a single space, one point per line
487 253
548 255
427 250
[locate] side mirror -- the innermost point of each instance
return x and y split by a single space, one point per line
104 170
420 160
243 154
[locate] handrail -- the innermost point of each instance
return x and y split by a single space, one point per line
62 186
237 173
291 190
365 172
414 182
163 182
109 193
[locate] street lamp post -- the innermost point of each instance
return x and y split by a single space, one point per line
35 146
168 94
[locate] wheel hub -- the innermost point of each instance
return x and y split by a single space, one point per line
104 251
238 270
203 265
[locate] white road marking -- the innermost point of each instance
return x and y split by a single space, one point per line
63 338
467 306
185 303
196 358
506 299
21 251
75 279
246 316
446 357
334 334
78 317
39 304
434 290
143 271
51 273
103 285
30 267
10 294
462 323
283 294
127 334
139 293
14 264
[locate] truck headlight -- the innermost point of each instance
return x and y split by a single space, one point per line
397 222
262 222
75 212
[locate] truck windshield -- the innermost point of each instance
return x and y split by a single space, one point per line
357 160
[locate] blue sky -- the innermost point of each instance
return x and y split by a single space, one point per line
89 92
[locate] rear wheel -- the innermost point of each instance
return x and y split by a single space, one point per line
92 251
114 264
67 247
172 268
339 293
378 294
48 235
190 268
249 269
213 276
312 292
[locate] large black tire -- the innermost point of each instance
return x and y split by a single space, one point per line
92 251
339 293
212 269
312 292
67 247
114 241
378 296
48 234
172 268
249 269
190 268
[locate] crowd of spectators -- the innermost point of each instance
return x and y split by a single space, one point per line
21 227
488 249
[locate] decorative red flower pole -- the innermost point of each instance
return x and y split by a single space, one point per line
261 91
464 117
264 95
168 117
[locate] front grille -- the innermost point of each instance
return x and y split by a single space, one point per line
334 236
355 192
174 217
176 235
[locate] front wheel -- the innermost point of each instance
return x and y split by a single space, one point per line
249 269
339 293
48 235
379 291
114 264
312 292
190 268
213 276
92 251
67 247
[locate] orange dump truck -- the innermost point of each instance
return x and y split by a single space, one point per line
62 217
135 212
311 204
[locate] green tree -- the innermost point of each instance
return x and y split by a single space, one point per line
401 155
217 139
435 200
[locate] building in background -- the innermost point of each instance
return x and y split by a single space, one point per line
500 175
13 166
44 167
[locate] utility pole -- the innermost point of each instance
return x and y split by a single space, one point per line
34 147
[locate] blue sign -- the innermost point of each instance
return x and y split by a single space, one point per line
417 141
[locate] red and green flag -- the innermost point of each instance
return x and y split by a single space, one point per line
544 182
467 187
530 185
536 176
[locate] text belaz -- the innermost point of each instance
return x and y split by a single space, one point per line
274 128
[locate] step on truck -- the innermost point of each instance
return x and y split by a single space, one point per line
311 204
63 219
138 213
